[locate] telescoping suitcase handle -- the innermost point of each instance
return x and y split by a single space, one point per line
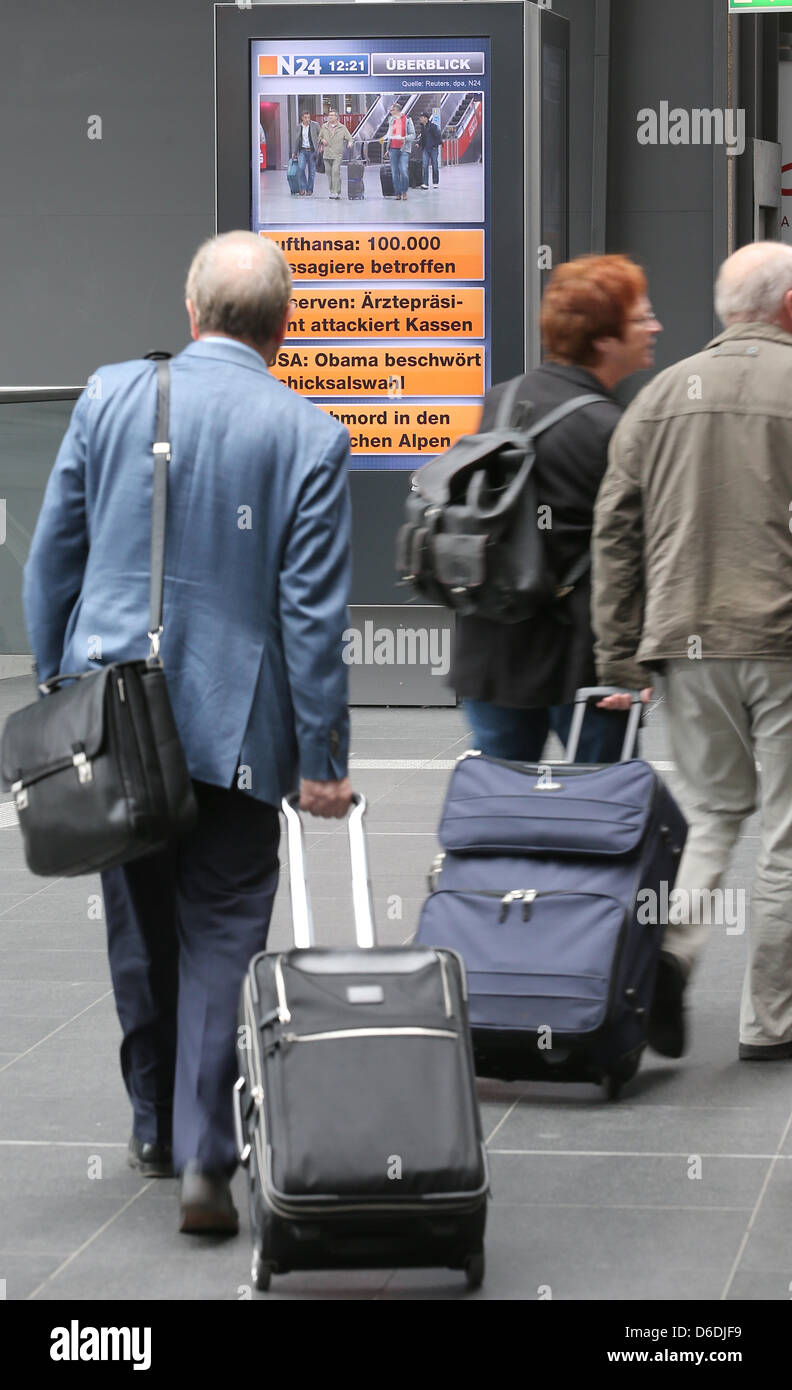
362 906
584 697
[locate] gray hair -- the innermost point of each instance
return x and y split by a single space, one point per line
239 284
752 283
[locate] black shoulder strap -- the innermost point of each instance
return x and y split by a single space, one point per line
503 417
561 412
162 453
503 420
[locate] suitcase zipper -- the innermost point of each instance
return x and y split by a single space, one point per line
370 1033
136 769
524 895
284 1015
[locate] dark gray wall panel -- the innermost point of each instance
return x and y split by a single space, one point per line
580 13
660 198
96 235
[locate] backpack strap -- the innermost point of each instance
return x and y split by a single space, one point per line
580 567
561 411
503 419
506 406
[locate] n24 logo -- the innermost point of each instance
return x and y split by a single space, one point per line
299 67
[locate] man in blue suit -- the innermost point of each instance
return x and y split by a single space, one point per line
257 565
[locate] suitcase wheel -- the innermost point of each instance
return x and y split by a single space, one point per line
616 1079
613 1085
261 1272
474 1270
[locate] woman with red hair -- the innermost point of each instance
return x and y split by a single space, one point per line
518 680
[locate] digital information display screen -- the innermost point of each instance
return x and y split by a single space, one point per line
390 330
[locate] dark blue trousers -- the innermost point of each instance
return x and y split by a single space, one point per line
518 735
182 926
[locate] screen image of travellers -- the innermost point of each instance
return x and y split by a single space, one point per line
370 169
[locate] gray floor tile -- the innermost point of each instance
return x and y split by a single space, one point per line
34 997
53 904
63 1066
24 1272
21 1031
622 1184
635 1127
26 964
777 1195
52 1223
20 881
761 1286
52 934
769 1244
75 1113
216 1270
585 1254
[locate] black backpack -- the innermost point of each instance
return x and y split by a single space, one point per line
474 539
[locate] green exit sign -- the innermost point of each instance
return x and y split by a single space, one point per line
751 6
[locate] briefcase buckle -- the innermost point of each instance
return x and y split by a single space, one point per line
83 766
20 795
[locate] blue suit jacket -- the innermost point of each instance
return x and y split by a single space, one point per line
257 561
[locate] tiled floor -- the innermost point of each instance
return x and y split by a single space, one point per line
458 197
682 1190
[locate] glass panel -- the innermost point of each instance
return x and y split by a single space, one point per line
30 435
554 151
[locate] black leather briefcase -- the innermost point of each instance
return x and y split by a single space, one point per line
96 767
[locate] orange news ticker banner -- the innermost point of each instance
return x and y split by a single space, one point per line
349 369
411 311
405 429
366 254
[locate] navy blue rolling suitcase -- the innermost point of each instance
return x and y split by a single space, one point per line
293 176
550 886
356 186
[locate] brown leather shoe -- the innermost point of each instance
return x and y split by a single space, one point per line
205 1205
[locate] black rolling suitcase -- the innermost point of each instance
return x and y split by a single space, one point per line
355 1107
549 886
386 181
374 151
415 170
356 171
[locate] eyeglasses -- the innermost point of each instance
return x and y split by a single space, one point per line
649 317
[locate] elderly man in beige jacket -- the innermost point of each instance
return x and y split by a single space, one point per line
692 574
332 138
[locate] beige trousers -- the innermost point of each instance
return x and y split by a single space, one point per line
333 171
724 717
